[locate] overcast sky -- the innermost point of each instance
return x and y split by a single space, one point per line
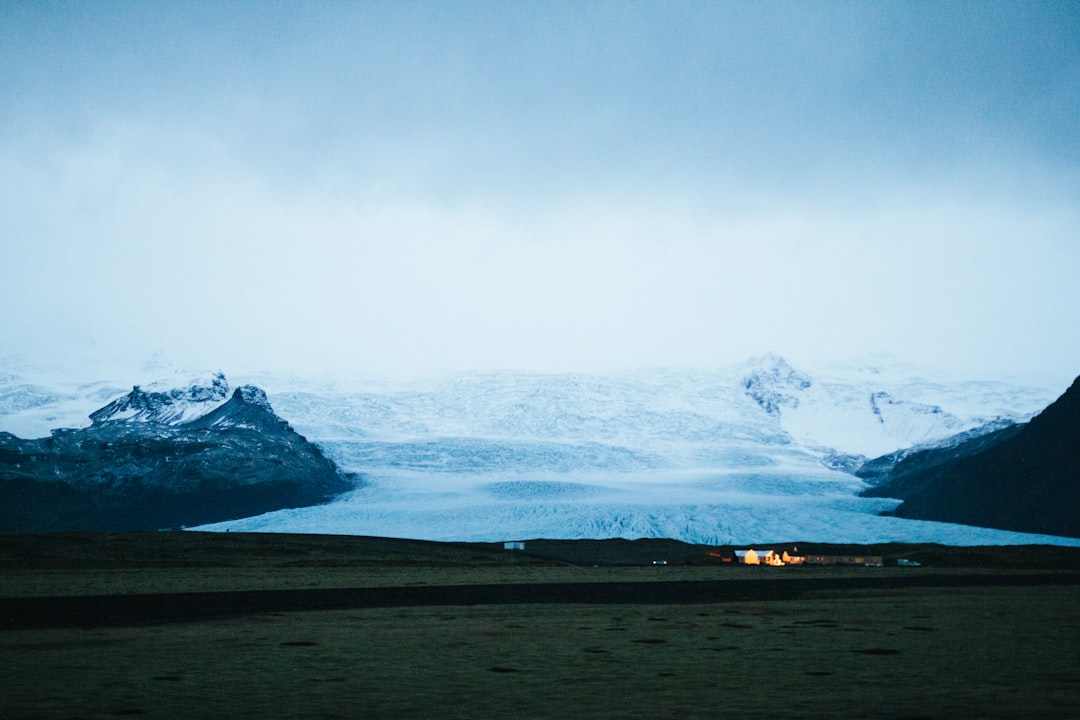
388 188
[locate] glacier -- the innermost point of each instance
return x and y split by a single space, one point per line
737 455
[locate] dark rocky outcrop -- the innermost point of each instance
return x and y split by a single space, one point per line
1019 477
239 459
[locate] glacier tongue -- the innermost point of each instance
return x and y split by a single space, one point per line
731 456
478 512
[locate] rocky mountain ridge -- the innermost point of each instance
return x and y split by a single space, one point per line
144 464
167 405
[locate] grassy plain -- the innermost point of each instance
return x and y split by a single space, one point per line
901 652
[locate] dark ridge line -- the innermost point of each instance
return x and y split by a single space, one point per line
95 611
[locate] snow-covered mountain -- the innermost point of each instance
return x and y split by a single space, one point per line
160 402
34 401
739 454
876 408
163 459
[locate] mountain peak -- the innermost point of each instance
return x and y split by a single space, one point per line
253 396
773 383
247 408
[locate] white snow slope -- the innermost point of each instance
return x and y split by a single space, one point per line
732 456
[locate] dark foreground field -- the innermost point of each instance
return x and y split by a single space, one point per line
193 625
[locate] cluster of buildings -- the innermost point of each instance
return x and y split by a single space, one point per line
751 556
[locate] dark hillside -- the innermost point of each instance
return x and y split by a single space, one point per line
239 460
1025 478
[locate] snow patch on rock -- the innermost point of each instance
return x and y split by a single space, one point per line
162 403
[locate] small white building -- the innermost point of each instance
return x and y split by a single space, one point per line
513 545
747 557
757 557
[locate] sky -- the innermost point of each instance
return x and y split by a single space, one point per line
391 188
